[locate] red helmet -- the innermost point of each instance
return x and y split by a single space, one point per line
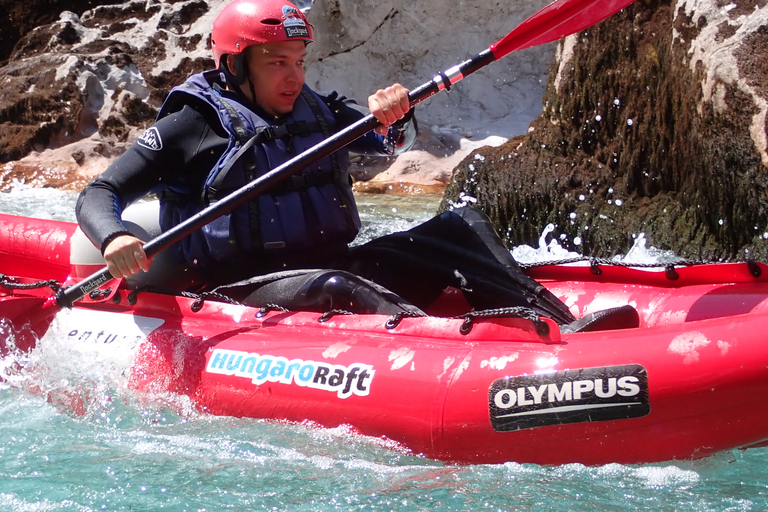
243 23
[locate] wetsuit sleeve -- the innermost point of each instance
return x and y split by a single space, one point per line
400 138
177 151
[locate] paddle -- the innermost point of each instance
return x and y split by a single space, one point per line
556 20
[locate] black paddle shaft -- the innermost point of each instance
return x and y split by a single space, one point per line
66 297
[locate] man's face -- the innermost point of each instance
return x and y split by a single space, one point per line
277 73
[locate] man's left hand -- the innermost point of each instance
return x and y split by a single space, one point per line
389 106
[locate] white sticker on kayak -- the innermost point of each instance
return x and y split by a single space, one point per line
571 396
87 327
94 344
345 381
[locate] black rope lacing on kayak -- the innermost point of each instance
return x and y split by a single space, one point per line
595 262
263 311
510 312
11 283
542 328
219 297
669 267
395 319
391 323
199 298
469 318
331 313
202 297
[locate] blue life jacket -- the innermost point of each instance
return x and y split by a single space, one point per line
313 209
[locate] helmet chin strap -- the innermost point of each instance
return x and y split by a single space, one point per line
253 92
238 77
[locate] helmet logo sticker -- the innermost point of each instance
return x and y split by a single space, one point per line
294 23
150 139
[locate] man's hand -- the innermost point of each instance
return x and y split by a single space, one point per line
125 256
388 106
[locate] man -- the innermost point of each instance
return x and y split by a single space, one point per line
224 128
189 156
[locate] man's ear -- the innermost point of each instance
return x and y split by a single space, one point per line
235 68
231 65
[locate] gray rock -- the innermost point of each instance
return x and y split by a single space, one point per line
654 122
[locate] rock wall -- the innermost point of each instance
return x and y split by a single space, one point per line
78 90
83 79
654 122
18 18
363 45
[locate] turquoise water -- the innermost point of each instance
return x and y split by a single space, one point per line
130 453
73 437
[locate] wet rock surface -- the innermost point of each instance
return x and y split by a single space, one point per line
654 122
84 78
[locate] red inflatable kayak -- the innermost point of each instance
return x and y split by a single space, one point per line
690 380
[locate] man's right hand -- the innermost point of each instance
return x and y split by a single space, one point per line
125 256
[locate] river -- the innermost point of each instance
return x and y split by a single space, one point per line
90 444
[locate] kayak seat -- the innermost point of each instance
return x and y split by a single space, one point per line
319 291
622 317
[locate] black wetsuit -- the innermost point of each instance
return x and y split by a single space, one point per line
458 249
192 142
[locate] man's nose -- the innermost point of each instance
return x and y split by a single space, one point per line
296 74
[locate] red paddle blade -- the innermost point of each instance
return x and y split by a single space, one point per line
557 20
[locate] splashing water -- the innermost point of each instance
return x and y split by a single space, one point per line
551 250
546 251
45 203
